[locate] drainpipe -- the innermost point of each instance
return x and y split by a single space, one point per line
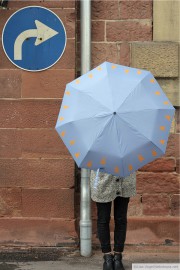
85 208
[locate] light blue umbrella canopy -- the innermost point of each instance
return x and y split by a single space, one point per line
116 118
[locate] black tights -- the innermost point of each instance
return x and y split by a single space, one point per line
120 219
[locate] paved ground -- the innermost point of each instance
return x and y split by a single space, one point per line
76 262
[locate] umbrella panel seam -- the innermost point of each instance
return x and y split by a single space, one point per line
131 126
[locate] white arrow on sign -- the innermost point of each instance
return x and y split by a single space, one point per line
43 33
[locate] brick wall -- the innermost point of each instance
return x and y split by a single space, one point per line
36 170
122 32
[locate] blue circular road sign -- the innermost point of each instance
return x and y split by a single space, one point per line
34 38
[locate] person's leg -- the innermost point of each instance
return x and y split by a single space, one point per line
103 220
120 219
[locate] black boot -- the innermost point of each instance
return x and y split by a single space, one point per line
108 262
118 262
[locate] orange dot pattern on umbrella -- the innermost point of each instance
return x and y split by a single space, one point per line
63 133
77 154
116 169
77 81
61 118
126 70
168 117
65 107
99 68
162 128
166 102
72 142
103 161
141 158
154 153
162 141
89 164
157 93
139 72
130 167
90 75
113 66
152 80
67 93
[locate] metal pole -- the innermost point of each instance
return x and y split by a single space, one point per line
85 208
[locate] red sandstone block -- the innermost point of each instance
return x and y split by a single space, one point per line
10 83
97 28
77 206
136 9
102 10
156 204
78 9
177 145
48 203
13 4
105 10
47 84
35 173
4 16
178 165
59 3
175 205
135 206
67 61
93 210
42 143
172 149
37 232
160 165
29 113
100 52
10 202
78 57
128 31
148 230
104 52
157 182
152 230
125 54
5 63
10 146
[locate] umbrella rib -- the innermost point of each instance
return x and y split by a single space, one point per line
150 109
75 120
131 126
98 104
96 101
110 87
131 92
99 134
119 144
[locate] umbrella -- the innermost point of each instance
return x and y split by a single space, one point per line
116 118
